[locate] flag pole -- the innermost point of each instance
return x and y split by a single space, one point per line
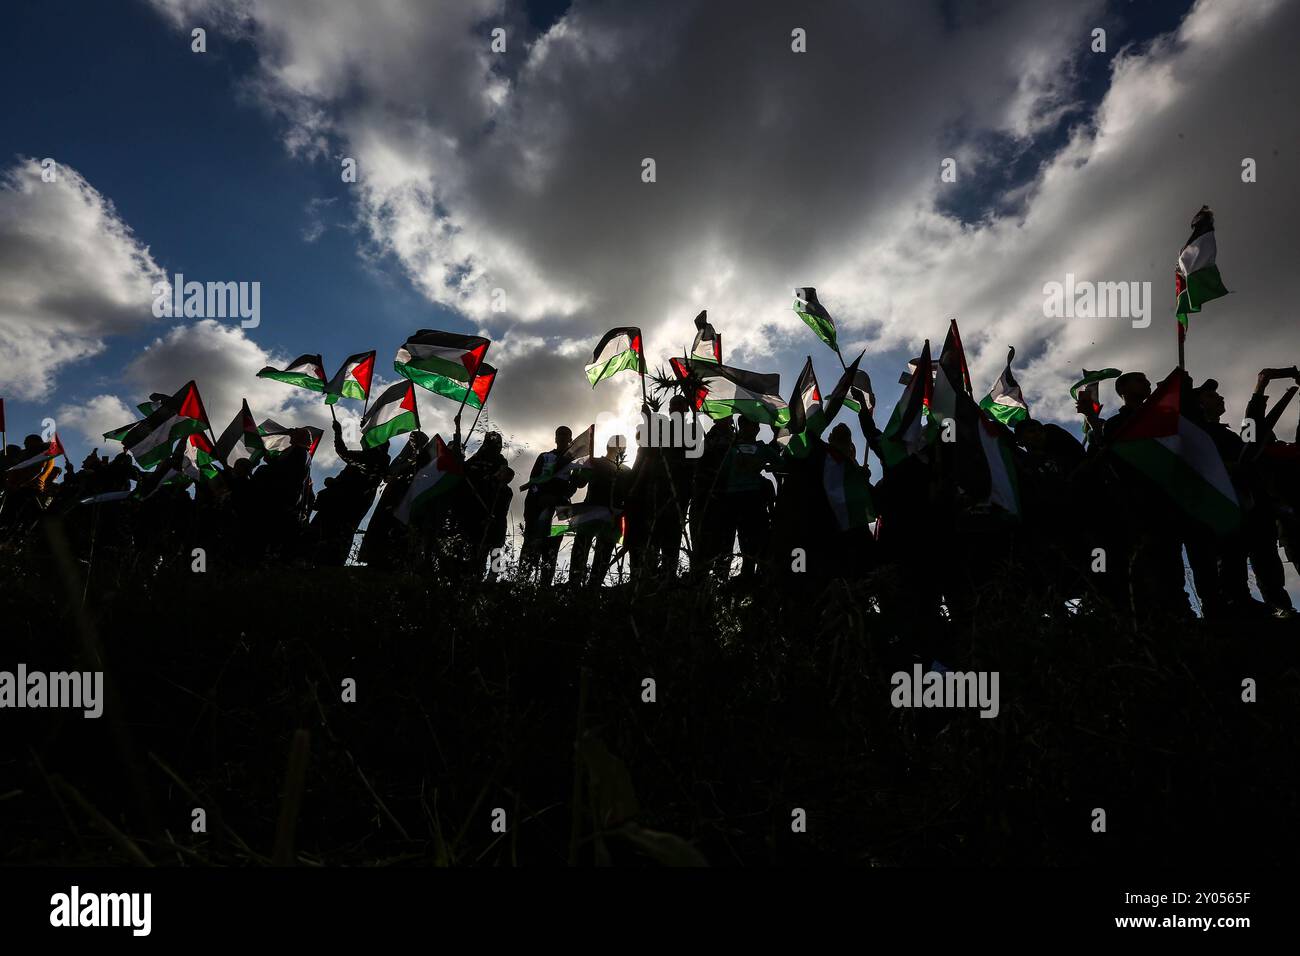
475 425
473 375
644 399
1182 336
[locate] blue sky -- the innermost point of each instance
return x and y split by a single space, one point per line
521 173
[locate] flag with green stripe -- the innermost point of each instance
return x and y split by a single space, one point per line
1196 276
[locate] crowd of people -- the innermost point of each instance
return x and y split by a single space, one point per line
744 509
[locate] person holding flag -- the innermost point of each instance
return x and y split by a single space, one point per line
554 478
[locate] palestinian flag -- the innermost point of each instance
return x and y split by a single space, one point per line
1088 388
707 346
352 380
1179 457
154 403
51 451
979 454
807 418
685 372
277 438
197 459
431 482
905 433
861 382
1006 402
839 395
953 378
146 408
167 473
306 371
815 314
733 391
117 434
1004 484
848 491
240 440
578 455
150 441
428 358
1196 277
393 414
475 394
569 519
618 351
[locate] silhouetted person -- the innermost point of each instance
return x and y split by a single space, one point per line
545 492
342 506
606 484
747 497
386 538
658 501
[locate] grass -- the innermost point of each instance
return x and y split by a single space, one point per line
472 697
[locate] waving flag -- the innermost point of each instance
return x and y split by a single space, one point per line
475 393
1180 457
570 519
861 382
815 314
1005 402
578 455
978 452
953 378
618 351
393 414
306 371
433 480
438 360
734 391
150 441
807 418
1196 277
905 432
1088 388
51 451
151 406
240 440
197 459
352 380
707 346
278 438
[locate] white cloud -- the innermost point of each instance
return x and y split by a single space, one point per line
71 274
778 169
93 417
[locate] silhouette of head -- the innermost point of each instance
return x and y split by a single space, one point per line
678 405
492 443
563 437
841 440
1209 399
748 430
1031 435
1133 387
